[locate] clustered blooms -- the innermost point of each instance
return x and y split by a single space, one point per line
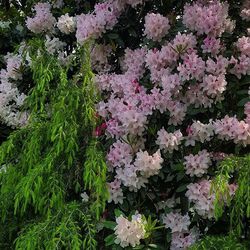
245 12
115 192
104 17
131 174
200 195
11 100
129 232
182 237
227 128
43 21
176 222
156 26
230 128
99 58
169 141
247 112
187 71
66 24
184 240
210 20
148 165
199 132
211 45
197 165
183 73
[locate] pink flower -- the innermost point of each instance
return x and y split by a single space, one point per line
199 132
134 62
211 45
169 141
176 222
199 194
156 26
43 21
115 192
148 165
197 165
214 86
183 42
119 154
211 19
192 67
241 66
243 45
218 66
247 112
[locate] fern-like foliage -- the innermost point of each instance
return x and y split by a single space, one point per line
219 243
239 168
95 177
61 230
48 162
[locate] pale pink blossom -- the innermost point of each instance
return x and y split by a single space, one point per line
156 26
169 141
197 165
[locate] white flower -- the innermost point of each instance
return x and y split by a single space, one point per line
85 197
129 232
66 24
148 165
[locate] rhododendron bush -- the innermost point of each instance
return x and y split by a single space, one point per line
128 124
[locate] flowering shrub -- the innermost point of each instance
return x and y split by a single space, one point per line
155 95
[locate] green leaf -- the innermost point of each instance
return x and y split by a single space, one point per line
180 176
113 35
243 101
139 247
178 167
181 188
154 246
118 212
169 178
110 240
109 224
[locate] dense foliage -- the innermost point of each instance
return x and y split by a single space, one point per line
125 124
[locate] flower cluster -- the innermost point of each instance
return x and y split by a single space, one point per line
182 237
129 232
176 222
245 12
184 73
115 192
169 141
66 24
11 100
156 26
210 20
199 194
53 45
43 21
197 165
184 240
132 174
104 17
165 100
